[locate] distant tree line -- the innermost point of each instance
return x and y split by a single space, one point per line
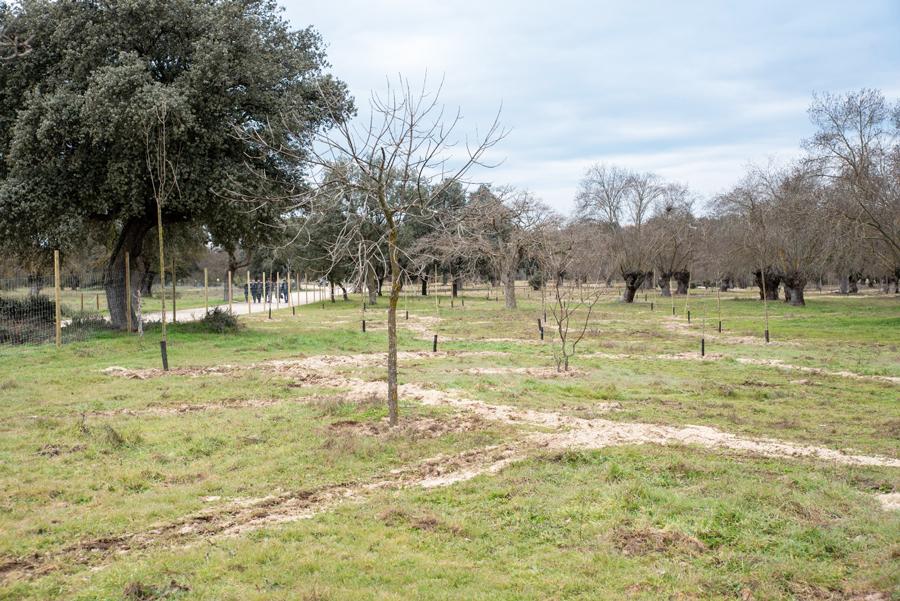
270 169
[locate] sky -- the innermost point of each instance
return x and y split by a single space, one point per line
691 90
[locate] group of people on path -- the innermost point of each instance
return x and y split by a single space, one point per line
257 288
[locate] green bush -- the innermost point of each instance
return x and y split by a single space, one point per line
30 319
219 321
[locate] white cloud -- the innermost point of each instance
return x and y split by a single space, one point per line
691 90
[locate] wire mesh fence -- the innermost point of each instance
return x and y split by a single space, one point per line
91 303
28 308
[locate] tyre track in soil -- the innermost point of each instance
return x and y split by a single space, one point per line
239 516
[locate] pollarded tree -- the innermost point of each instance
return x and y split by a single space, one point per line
673 235
746 208
619 202
801 232
857 147
74 111
784 234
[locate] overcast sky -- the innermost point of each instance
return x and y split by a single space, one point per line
691 90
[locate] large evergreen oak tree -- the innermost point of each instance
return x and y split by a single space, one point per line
76 116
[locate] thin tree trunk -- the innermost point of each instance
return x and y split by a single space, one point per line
509 289
396 286
371 285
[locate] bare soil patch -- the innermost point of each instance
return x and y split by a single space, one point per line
689 330
651 540
295 368
417 427
577 432
694 356
889 501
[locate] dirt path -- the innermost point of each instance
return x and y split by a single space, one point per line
693 356
575 431
237 516
222 520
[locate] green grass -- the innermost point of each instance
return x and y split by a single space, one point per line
89 456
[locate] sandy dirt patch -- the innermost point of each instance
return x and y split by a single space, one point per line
694 356
287 367
816 370
889 501
537 372
712 335
598 433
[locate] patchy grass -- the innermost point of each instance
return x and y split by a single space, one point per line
153 480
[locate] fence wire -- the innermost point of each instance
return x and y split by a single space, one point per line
91 303
28 308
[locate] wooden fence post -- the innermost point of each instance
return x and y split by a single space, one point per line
56 285
206 287
289 300
230 291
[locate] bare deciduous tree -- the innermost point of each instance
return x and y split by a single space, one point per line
673 237
399 162
857 147
498 227
571 306
620 202
14 44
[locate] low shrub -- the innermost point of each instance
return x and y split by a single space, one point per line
27 320
220 321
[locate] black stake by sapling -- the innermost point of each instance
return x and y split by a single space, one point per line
703 334
434 349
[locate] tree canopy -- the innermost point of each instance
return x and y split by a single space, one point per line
76 116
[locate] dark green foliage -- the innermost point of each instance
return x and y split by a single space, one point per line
78 119
220 321
29 319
